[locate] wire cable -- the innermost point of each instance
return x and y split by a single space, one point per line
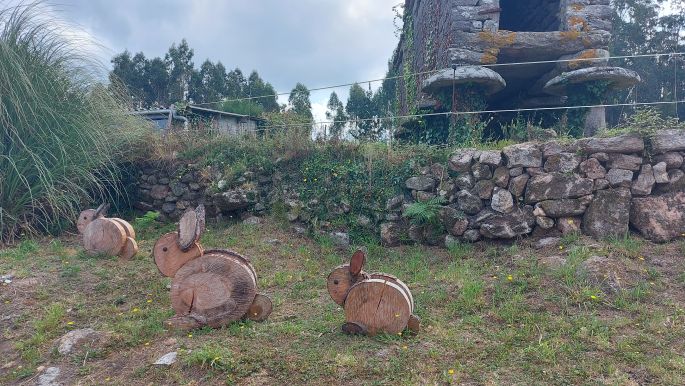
434 71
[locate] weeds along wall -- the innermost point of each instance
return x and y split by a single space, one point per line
602 187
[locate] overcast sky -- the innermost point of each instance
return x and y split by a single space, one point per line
316 42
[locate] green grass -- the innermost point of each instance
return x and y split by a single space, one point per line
62 134
488 313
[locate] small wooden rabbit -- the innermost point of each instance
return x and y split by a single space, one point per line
112 236
209 288
373 303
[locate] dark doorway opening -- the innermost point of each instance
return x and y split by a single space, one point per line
529 15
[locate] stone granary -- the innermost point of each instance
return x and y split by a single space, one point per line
469 42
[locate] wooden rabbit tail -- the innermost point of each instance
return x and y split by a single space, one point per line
260 309
414 324
352 328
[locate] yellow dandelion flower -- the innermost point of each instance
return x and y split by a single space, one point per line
450 371
641 257
190 335
570 221
404 347
108 379
217 358
70 323
135 310
593 297
561 247
147 343
510 278
399 333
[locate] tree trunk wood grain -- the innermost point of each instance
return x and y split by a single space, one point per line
169 257
400 283
190 227
104 236
378 306
130 232
85 218
234 255
216 286
260 309
130 249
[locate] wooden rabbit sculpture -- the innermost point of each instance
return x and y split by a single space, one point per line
209 288
373 303
112 236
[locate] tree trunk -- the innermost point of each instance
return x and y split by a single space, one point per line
130 232
216 288
378 305
104 236
129 250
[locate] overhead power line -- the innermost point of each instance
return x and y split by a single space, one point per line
434 71
457 113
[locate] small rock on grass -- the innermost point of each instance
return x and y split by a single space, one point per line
167 359
547 242
49 377
74 339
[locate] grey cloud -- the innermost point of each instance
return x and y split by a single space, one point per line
317 42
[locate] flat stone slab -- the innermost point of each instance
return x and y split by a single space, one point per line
489 80
167 359
667 140
627 143
617 77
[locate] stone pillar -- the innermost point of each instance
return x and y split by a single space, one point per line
595 120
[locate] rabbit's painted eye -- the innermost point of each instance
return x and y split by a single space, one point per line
335 282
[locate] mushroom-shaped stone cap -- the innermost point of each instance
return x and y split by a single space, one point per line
617 78
489 80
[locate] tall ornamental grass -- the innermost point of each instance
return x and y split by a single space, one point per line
62 133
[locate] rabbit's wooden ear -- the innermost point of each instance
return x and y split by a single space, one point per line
357 262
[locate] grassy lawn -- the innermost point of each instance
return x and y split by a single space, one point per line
490 315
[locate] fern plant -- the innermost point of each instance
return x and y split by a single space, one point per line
426 212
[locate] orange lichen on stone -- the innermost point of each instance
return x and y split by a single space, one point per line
569 35
578 23
498 39
489 56
582 59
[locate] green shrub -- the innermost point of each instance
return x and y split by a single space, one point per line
61 133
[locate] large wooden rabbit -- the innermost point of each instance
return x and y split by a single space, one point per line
101 235
373 303
209 288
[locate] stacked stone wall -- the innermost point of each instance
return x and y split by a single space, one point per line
602 187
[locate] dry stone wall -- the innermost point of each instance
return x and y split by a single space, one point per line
602 187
